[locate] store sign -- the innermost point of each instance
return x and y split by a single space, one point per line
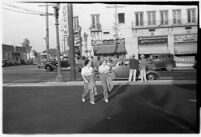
152 40
185 38
108 42
77 39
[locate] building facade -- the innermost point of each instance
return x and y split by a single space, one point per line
14 54
124 30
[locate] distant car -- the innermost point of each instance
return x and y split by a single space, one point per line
120 70
53 65
163 61
5 63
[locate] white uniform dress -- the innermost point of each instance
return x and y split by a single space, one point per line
104 70
87 72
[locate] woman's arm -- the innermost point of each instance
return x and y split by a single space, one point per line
85 79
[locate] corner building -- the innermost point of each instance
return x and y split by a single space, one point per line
141 29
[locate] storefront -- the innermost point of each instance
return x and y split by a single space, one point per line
109 48
7 52
150 45
20 54
185 48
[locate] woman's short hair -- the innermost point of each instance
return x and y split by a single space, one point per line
86 62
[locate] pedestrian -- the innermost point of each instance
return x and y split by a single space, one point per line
105 78
142 68
134 63
88 78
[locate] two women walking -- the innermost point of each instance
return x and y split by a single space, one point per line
89 80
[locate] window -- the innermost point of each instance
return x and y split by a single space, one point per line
164 17
139 18
151 18
121 18
176 16
191 15
75 23
95 20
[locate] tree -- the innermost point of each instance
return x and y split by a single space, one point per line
36 54
51 52
27 46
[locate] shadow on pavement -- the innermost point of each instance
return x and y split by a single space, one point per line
143 112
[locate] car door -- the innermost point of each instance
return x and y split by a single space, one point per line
122 69
157 61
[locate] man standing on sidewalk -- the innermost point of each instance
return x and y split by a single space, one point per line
133 68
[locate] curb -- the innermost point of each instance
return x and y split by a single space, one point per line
80 83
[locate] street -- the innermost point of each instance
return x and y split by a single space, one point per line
131 109
29 106
31 74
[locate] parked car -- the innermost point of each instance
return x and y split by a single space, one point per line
53 65
163 61
5 63
120 70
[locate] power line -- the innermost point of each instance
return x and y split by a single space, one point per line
23 8
20 11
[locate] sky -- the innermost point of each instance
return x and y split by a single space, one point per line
18 26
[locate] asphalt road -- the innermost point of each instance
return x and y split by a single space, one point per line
131 109
31 74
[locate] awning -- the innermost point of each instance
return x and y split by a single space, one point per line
153 49
109 49
187 48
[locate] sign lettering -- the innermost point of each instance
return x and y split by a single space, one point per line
185 38
108 42
153 40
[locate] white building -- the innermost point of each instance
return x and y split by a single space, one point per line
146 29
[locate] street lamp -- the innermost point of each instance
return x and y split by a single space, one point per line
59 77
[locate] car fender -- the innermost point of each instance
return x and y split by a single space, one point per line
113 74
153 72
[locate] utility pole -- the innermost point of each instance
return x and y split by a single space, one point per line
85 39
71 41
47 32
59 77
47 27
116 24
116 28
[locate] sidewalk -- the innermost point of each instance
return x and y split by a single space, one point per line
80 83
184 66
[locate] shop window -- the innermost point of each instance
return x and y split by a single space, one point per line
191 15
121 18
176 17
151 18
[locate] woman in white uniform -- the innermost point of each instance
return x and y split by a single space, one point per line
89 84
104 69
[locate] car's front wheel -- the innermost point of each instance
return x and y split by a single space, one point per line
151 76
169 67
